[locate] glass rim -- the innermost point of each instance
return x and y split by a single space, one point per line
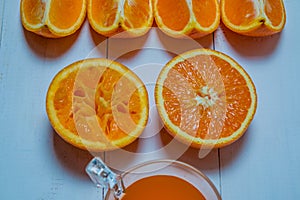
176 162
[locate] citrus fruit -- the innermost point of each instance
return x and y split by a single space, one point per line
195 18
53 18
111 17
205 98
97 104
253 17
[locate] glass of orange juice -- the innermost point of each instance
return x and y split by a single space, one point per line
158 179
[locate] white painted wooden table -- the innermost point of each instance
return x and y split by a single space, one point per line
37 164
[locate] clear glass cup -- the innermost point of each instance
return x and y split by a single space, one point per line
117 183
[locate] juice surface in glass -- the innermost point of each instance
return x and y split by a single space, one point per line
162 187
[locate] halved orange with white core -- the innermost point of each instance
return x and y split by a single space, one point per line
205 98
113 16
97 104
53 18
254 17
195 18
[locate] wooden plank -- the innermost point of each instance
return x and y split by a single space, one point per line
34 159
265 162
1 19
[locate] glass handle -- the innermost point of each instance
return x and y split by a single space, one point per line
103 177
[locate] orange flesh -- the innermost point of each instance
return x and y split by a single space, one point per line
236 97
240 12
63 102
34 11
64 13
243 12
104 12
175 14
106 85
205 12
137 13
162 187
274 11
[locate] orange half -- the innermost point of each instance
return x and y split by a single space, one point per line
254 17
195 18
97 104
113 16
53 18
205 98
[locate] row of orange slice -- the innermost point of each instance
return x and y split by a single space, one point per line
195 18
204 98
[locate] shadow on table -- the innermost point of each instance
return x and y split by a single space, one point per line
211 163
251 46
96 37
72 159
119 44
100 43
49 47
191 155
180 45
160 146
229 154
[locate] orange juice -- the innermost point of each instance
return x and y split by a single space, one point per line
162 187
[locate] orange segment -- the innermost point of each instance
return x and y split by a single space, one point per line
53 18
175 16
275 11
137 14
33 11
205 12
102 14
66 13
111 17
205 98
254 17
194 18
97 104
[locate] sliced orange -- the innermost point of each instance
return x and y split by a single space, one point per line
254 17
205 98
97 104
195 18
53 18
109 17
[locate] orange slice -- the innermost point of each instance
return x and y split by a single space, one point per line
97 104
254 17
53 18
110 17
195 18
205 99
